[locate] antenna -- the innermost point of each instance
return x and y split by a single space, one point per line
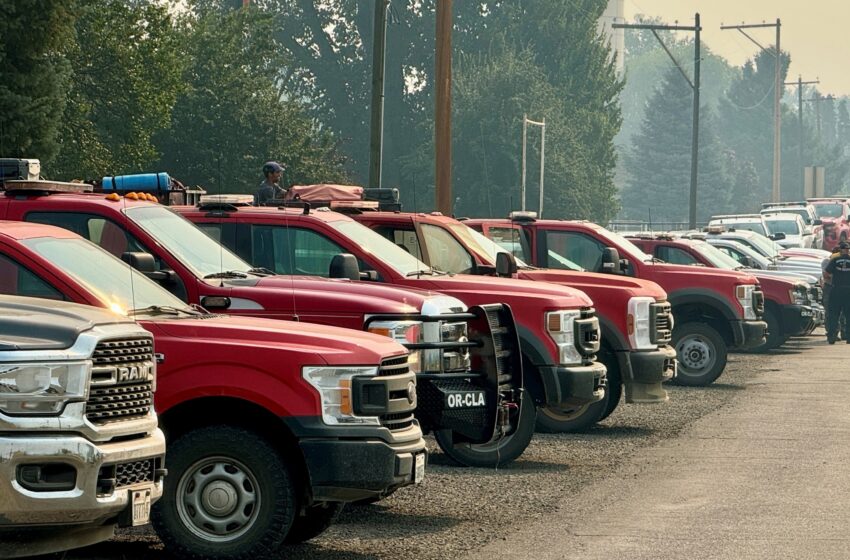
123 231
220 231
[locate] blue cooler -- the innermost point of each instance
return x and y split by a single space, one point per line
157 183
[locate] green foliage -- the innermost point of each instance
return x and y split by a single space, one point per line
233 115
659 162
33 36
126 65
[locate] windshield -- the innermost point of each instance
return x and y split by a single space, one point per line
788 227
829 210
120 287
191 246
764 245
715 256
757 227
481 244
631 248
380 247
802 212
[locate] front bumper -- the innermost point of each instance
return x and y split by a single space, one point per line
342 467
573 386
645 371
797 320
748 334
85 504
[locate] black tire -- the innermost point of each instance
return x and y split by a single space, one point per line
614 387
775 337
247 472
701 352
498 453
313 521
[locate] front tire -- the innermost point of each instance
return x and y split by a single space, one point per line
497 453
775 337
614 387
313 521
229 495
701 352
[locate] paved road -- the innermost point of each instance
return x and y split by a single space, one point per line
767 476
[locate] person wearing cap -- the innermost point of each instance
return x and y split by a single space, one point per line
269 189
826 281
838 270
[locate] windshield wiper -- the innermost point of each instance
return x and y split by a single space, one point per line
160 310
262 271
425 272
227 274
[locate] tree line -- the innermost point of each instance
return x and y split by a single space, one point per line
209 90
736 134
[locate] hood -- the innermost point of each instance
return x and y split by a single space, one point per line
46 324
318 295
701 274
791 275
252 338
476 290
594 284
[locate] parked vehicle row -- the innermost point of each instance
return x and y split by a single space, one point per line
302 350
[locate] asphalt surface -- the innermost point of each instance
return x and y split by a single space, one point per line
753 466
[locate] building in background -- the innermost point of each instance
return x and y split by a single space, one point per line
614 13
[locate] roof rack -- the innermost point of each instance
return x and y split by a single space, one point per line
766 205
734 216
45 187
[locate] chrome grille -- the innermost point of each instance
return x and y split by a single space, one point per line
661 322
758 301
122 380
399 420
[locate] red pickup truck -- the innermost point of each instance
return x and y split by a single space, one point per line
714 309
270 425
637 359
787 310
558 327
467 359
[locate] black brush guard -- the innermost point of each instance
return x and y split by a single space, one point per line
495 370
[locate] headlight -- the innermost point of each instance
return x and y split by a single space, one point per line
638 323
799 295
560 326
403 332
334 387
744 295
42 388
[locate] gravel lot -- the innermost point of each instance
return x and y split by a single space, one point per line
459 509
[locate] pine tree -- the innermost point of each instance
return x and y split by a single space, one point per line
659 163
33 36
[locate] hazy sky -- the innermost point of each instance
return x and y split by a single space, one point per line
815 32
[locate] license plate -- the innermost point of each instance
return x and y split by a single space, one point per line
140 502
419 469
465 399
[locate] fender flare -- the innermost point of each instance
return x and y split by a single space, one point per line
703 297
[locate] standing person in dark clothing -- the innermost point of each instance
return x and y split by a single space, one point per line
839 298
269 189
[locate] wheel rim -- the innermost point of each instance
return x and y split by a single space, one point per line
218 499
564 414
696 354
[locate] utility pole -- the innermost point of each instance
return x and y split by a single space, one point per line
695 86
777 97
376 144
443 109
800 83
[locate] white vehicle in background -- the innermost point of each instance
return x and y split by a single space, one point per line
746 222
806 211
767 249
796 235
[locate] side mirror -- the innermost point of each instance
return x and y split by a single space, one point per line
505 265
143 262
215 302
778 236
344 265
146 264
748 262
611 263
817 222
